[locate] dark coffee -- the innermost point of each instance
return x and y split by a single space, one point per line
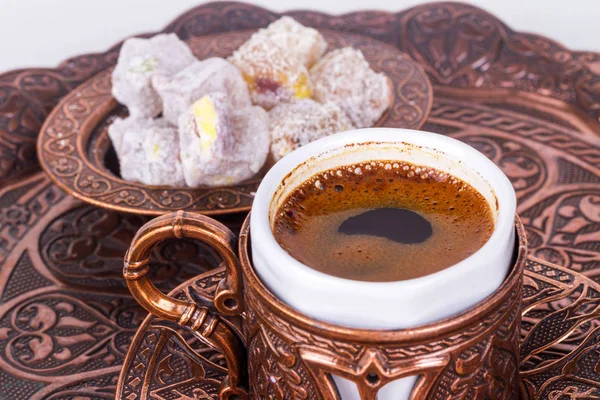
383 221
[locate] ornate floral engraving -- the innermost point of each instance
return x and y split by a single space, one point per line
19 214
66 320
466 47
551 344
482 357
54 333
85 246
458 44
554 170
561 334
170 362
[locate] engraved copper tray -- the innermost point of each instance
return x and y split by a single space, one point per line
76 152
66 320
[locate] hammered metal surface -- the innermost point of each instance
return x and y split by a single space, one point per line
73 141
545 137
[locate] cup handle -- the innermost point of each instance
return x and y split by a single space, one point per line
228 295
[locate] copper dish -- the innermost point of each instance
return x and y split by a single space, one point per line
75 151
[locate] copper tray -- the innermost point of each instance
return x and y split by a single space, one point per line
529 103
76 152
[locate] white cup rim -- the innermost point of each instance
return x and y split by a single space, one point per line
261 228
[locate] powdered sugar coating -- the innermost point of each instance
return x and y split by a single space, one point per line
295 124
305 45
344 77
148 151
272 75
252 141
236 152
200 78
141 59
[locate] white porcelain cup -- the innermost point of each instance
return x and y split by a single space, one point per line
384 305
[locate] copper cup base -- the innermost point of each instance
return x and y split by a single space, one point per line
473 355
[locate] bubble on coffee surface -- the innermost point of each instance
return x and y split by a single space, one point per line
401 169
450 221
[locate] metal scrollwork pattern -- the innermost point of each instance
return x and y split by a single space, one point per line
472 355
554 169
66 317
465 47
174 359
85 246
560 334
26 98
559 340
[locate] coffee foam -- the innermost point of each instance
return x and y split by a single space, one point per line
411 160
400 170
307 224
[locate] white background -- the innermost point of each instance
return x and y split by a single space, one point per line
45 32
